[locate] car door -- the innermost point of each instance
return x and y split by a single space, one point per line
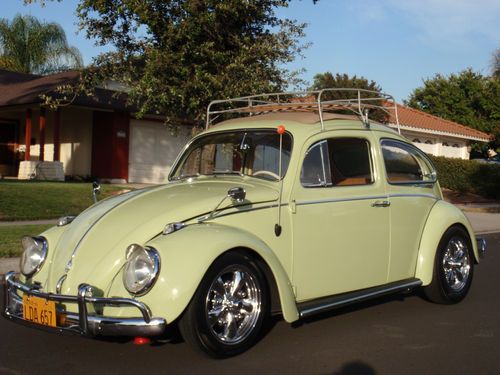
340 217
412 191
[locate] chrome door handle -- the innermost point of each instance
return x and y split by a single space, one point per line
381 204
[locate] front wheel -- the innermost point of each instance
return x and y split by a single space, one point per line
227 311
453 268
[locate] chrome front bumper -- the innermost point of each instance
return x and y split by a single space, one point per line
481 246
82 322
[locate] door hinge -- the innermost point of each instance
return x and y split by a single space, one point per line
293 206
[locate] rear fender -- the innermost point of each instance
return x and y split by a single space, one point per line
442 216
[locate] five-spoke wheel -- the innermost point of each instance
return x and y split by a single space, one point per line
453 268
233 304
226 314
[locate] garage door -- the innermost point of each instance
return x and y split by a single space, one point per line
153 150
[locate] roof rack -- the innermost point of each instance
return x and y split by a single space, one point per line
358 101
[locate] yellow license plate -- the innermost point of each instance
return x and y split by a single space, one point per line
40 311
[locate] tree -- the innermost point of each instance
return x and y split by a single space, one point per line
177 56
30 46
496 64
328 80
468 98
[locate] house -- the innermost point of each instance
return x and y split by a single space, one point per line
100 136
96 136
435 135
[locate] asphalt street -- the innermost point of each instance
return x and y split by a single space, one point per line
394 335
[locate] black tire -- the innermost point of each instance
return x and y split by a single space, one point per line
453 268
222 319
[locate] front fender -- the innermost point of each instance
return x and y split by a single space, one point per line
187 254
443 215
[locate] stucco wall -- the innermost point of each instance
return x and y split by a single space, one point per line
75 138
439 145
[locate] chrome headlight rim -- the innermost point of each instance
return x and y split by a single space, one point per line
44 249
154 256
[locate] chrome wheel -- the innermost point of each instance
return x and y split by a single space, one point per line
233 304
456 264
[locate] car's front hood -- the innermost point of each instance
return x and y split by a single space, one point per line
92 249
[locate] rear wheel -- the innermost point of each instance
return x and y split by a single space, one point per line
226 313
453 268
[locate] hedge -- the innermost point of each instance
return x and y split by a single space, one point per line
468 176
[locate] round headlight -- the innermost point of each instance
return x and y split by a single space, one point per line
34 254
141 269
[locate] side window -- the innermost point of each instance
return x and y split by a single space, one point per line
337 162
350 161
315 170
406 164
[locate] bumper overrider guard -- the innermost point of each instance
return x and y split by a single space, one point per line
82 322
481 246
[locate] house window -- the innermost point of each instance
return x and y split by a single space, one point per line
416 140
445 144
428 142
455 145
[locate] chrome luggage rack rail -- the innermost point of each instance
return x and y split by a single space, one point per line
358 101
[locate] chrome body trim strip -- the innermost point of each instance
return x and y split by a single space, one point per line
333 302
332 200
241 209
413 196
337 200
82 322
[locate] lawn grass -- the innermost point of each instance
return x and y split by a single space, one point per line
36 200
10 237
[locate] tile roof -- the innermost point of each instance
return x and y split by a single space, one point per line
22 89
421 121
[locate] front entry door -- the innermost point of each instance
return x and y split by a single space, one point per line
8 138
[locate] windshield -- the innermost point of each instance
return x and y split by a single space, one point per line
251 153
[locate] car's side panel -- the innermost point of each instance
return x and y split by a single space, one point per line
341 235
185 257
410 207
442 216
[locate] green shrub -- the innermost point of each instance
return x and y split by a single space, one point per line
468 176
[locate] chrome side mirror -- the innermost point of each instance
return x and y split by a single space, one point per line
237 193
96 190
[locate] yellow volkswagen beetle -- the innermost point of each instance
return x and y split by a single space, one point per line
288 207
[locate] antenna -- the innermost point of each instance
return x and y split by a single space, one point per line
277 227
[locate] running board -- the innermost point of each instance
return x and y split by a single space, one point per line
334 302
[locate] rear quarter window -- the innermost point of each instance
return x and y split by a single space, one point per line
405 163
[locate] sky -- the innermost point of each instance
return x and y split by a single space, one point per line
396 43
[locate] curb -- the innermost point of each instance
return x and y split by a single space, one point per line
476 208
27 222
9 264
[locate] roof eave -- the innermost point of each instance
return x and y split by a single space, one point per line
437 132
